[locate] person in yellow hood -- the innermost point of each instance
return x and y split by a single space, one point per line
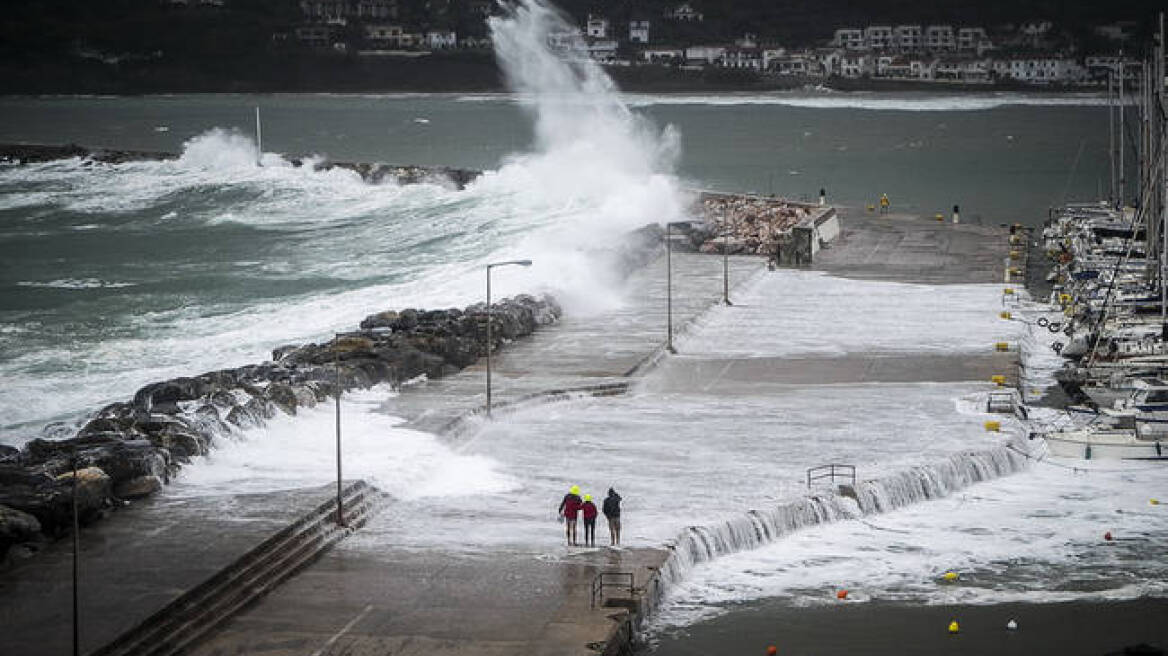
570 510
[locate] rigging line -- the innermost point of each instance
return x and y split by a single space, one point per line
1074 169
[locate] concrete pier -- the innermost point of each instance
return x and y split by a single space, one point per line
371 596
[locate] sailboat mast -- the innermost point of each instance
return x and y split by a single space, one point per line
259 139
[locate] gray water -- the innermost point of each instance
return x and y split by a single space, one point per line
112 276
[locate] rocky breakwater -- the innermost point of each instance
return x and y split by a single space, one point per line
128 450
757 225
372 173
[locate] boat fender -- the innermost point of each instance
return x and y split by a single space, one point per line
1012 625
1054 327
1158 453
1043 322
1087 452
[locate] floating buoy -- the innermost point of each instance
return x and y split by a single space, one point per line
993 426
1004 315
1003 347
871 208
772 650
950 576
1012 625
1108 536
1015 271
842 594
1153 502
1015 255
1007 291
939 216
954 627
998 379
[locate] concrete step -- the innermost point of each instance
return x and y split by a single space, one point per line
193 615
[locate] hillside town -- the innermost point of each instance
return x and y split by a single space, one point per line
1030 53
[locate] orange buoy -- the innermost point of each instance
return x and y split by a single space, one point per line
842 594
1107 536
772 650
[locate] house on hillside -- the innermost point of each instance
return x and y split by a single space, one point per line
908 38
704 55
597 27
685 13
667 55
940 38
849 38
879 37
441 39
639 31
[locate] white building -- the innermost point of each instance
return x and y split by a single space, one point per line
855 65
940 38
1040 70
850 38
603 51
441 39
663 55
597 27
922 69
908 38
741 58
704 54
569 40
639 31
972 39
685 13
879 37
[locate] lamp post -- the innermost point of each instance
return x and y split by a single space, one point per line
490 266
76 548
337 368
726 266
669 285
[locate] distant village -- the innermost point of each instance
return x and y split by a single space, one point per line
1029 53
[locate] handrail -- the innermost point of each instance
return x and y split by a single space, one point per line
831 470
598 584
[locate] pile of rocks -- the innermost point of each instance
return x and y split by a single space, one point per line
129 449
756 225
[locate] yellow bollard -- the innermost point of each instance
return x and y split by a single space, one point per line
1002 347
1004 315
993 426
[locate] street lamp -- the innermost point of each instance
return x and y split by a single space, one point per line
337 368
490 266
669 285
726 266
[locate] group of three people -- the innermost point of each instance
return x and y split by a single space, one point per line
573 506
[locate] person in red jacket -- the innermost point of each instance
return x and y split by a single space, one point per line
589 511
569 510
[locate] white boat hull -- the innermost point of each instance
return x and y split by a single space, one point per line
1117 445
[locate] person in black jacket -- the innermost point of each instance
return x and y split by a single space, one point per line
612 514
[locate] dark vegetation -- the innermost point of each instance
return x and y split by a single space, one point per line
128 46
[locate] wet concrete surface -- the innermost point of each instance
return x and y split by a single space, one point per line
363 598
133 564
907 248
580 350
358 601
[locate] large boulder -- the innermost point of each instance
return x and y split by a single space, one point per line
17 526
137 488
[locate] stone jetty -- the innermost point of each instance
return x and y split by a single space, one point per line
129 449
369 171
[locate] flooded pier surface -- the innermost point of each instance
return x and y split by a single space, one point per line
468 558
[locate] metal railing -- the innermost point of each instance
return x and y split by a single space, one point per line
831 471
604 579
